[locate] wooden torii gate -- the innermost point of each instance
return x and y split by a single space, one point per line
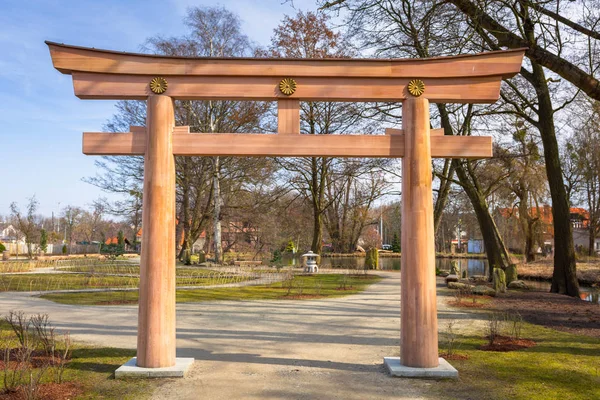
103 74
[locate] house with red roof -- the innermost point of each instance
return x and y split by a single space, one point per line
507 220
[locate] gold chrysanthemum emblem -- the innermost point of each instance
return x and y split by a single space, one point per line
287 86
158 85
416 87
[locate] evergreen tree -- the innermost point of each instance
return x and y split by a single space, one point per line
396 243
290 248
43 240
121 242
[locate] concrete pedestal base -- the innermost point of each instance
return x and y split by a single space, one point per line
443 371
130 370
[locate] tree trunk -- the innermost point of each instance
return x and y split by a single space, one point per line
442 198
494 246
564 277
317 241
495 250
318 177
526 225
529 242
217 210
591 241
183 230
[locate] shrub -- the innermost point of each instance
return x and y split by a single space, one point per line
450 339
43 240
21 372
396 244
290 248
276 256
318 287
121 239
344 282
112 250
494 327
64 249
20 325
2 248
44 332
515 322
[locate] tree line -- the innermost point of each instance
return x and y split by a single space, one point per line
545 126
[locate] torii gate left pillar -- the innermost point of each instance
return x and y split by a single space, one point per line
156 313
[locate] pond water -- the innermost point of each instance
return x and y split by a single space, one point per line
586 293
467 267
471 266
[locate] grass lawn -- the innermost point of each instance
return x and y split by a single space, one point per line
10 267
560 366
130 269
91 371
302 287
45 282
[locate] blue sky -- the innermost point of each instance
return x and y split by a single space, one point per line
41 121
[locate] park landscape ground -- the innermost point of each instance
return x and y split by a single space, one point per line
270 334
308 346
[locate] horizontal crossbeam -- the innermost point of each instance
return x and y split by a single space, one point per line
69 59
136 87
286 145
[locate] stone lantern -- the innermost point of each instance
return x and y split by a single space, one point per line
310 262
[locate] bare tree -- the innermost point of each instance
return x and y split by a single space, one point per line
307 35
26 224
526 185
458 26
71 217
203 184
584 151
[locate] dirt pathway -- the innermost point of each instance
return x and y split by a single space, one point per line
315 349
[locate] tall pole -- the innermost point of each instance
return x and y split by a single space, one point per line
418 322
156 322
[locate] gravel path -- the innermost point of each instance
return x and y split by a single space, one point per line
309 349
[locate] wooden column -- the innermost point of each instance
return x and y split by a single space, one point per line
156 323
419 330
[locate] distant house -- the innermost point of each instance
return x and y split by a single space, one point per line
114 240
507 220
475 246
196 247
581 239
9 235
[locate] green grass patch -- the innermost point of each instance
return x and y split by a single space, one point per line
560 366
92 370
302 287
130 269
47 282
16 266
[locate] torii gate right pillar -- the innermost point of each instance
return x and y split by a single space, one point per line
418 326
418 320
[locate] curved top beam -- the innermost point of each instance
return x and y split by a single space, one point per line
73 59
